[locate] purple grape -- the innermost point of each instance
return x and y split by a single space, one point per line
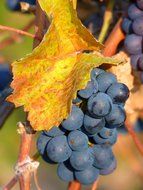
42 143
140 63
134 12
54 131
108 141
95 72
103 156
77 140
58 149
81 160
91 88
118 92
105 80
65 172
134 60
87 176
117 116
127 25
133 44
138 26
74 120
109 169
140 4
99 105
93 125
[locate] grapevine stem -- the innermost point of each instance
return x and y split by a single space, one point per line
24 180
108 15
94 186
21 32
134 136
15 37
74 185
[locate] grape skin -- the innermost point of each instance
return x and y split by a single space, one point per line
127 25
75 119
65 172
81 160
87 176
93 125
134 12
99 105
78 140
133 44
58 149
138 26
118 92
105 80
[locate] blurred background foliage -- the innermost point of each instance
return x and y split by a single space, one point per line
129 173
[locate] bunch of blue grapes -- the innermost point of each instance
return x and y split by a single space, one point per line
14 5
82 144
132 25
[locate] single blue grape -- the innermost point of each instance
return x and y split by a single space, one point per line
95 72
92 87
5 76
118 92
106 132
103 156
134 61
127 25
81 160
65 172
13 4
58 149
140 63
108 141
138 26
78 140
105 80
140 4
116 117
87 176
134 12
133 44
75 119
93 125
42 142
54 131
99 105
109 169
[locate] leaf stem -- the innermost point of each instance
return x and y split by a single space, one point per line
20 32
108 15
134 136
15 37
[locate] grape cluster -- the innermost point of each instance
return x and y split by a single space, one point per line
5 76
133 27
82 144
14 5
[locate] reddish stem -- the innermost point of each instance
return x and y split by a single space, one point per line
94 186
26 141
11 183
115 37
134 136
74 185
20 32
15 37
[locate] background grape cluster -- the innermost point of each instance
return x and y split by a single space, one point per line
14 5
82 144
133 27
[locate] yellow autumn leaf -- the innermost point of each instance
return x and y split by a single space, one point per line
46 81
